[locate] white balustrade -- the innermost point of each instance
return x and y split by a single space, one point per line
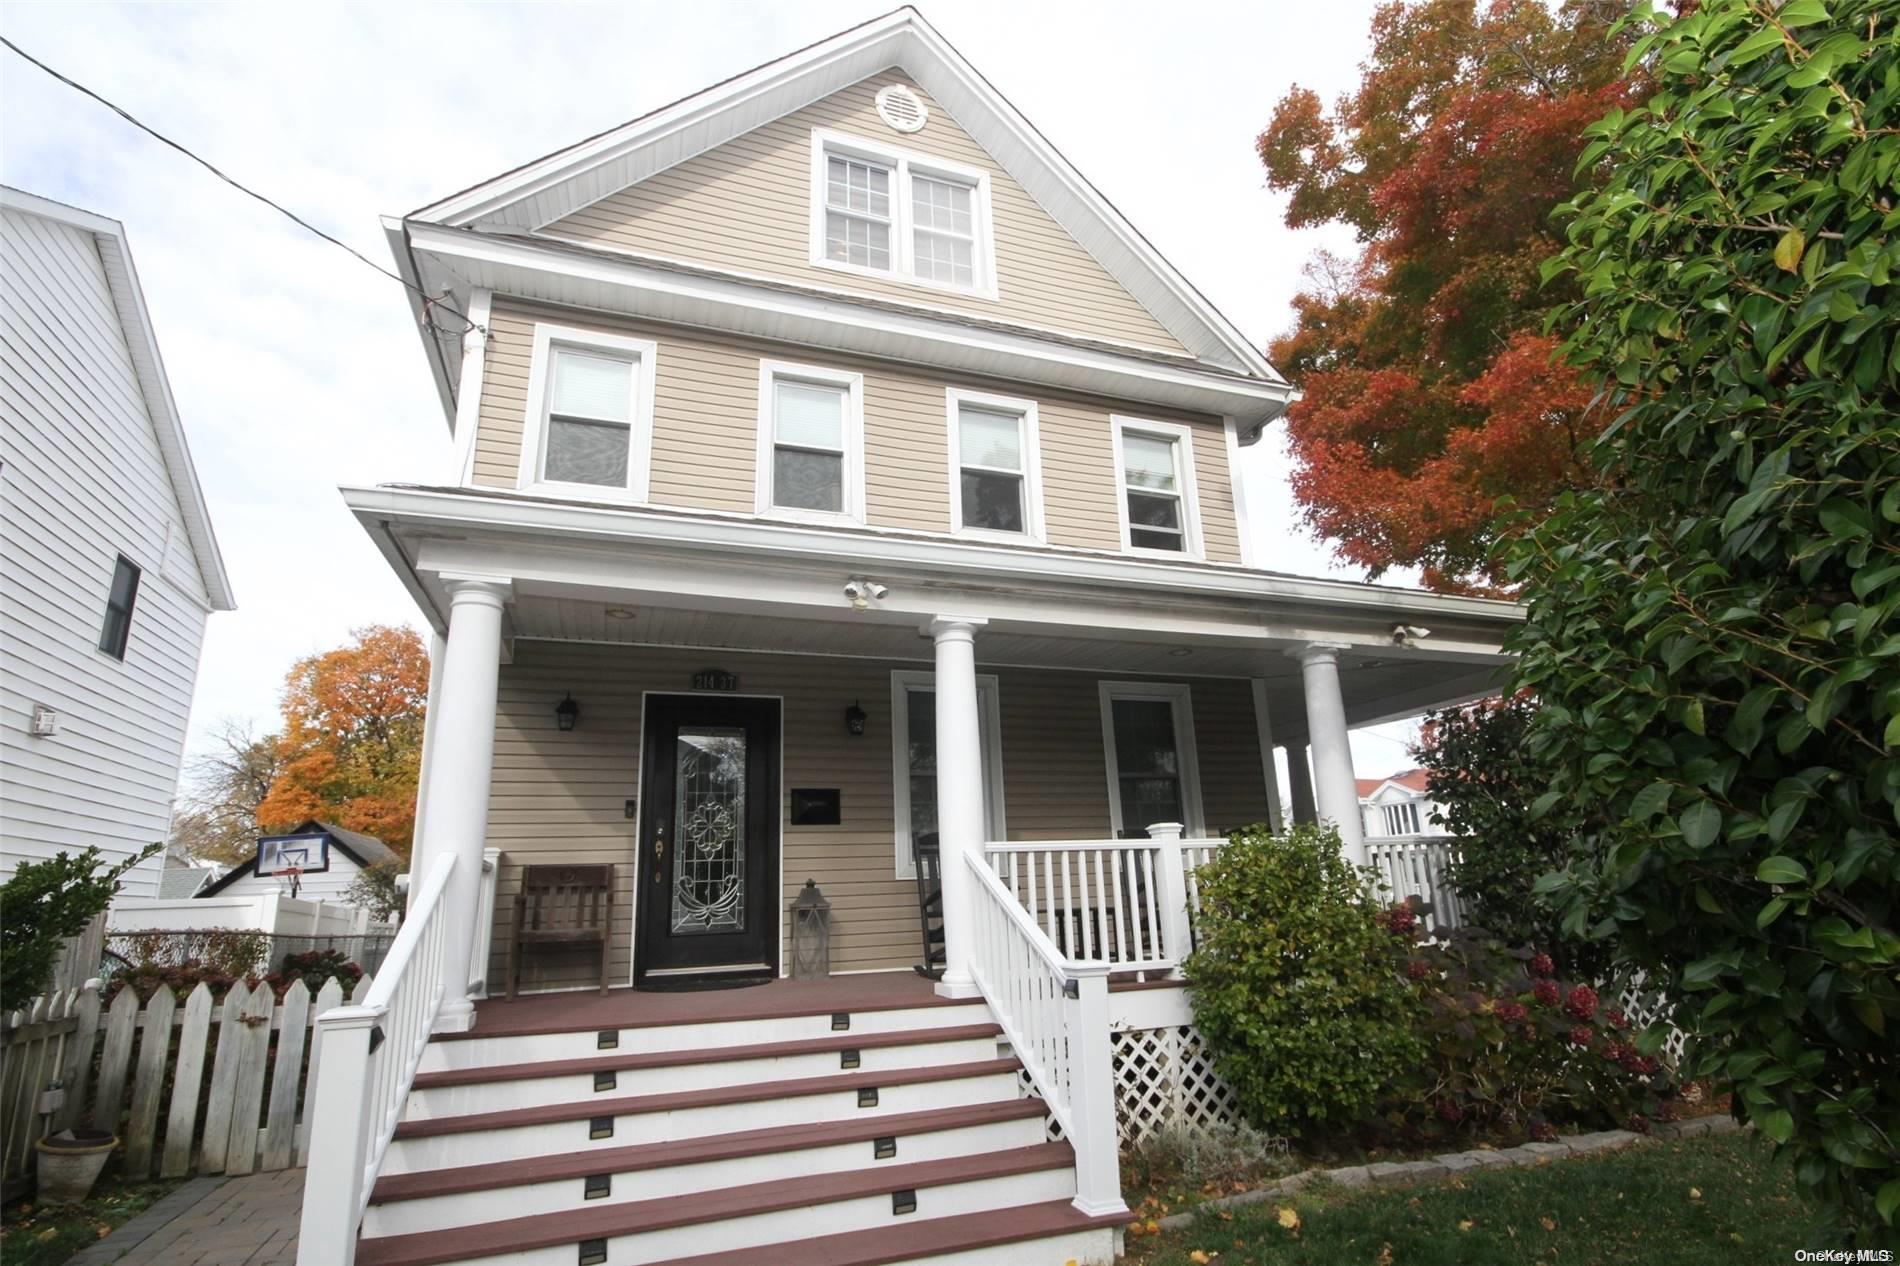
369 1055
1126 903
1419 866
1054 1011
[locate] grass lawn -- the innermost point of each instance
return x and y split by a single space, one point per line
1699 1202
36 1235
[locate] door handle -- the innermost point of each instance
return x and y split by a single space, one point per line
659 840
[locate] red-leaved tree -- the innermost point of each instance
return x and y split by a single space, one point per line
1430 392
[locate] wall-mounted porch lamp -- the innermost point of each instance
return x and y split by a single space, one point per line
566 713
854 719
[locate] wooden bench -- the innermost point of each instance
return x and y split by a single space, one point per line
562 905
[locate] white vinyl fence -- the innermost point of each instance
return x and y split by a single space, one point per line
199 1087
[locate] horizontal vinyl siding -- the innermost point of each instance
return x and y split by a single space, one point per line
83 481
559 797
705 433
746 206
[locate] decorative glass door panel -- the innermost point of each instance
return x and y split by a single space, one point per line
709 775
708 841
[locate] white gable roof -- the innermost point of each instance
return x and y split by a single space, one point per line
129 301
549 188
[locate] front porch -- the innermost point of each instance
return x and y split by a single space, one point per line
714 712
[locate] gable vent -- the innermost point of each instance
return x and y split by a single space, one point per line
901 108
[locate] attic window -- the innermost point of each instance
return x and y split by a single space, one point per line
901 108
909 217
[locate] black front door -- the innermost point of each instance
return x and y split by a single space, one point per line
709 840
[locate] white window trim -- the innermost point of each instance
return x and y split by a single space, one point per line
534 435
1178 694
1034 529
903 246
770 371
1183 436
990 732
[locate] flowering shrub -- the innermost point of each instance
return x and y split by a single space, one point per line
314 968
1508 1046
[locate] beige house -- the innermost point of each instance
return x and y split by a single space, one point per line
843 491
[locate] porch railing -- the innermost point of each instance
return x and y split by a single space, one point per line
1420 866
363 1063
1129 904
1054 1011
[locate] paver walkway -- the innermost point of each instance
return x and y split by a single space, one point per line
249 1221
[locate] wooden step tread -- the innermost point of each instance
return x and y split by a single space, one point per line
635 1060
713 1147
672 1101
631 1009
570 1226
908 1241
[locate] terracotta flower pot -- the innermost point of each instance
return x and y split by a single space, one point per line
69 1164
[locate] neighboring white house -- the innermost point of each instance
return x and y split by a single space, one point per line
108 565
1398 805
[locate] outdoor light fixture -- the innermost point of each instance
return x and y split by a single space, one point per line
854 719
566 713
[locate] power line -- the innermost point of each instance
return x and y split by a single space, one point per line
430 302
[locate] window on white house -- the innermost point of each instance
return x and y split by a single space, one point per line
858 212
910 216
590 412
810 445
590 418
1402 819
1153 775
120 599
914 758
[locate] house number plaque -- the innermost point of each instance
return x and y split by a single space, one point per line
715 679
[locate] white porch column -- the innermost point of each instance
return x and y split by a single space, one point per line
959 792
1335 789
1299 779
460 766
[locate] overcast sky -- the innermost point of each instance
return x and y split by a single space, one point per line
297 368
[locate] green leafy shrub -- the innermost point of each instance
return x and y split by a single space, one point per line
1486 783
315 968
1511 1047
41 905
1712 634
1294 982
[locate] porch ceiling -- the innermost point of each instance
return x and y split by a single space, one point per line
1378 685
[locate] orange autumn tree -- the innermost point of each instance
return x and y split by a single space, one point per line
1429 389
351 749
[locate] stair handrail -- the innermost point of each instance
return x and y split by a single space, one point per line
365 1059
1054 1011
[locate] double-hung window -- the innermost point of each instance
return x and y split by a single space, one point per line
811 446
907 216
1154 464
914 761
995 471
1153 774
590 413
116 632
1402 818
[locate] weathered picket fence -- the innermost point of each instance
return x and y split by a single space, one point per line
200 1087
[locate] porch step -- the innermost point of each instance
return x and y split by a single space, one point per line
475 1089
445 1198
752 1216
514 1133
1053 1232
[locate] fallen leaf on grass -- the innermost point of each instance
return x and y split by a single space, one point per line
1225 1216
1695 1193
1465 1225
1385 1255
1289 1218
1549 1224
1200 1258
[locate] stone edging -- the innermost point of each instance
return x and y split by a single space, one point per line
133 1232
1441 1168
